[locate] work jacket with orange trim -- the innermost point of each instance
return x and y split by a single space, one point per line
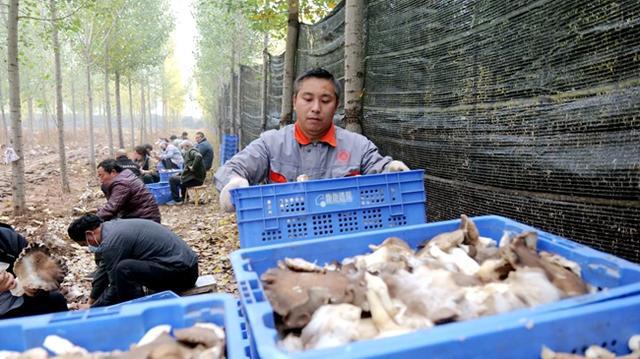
282 155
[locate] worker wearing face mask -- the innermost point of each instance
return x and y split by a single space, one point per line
312 148
136 253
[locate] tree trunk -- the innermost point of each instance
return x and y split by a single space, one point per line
150 103
142 114
265 82
73 105
59 110
353 64
45 114
92 151
289 64
5 127
232 94
107 101
17 167
119 112
164 105
30 102
133 128
238 105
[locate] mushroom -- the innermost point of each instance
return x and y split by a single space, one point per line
331 325
296 295
299 265
35 268
392 254
198 335
521 252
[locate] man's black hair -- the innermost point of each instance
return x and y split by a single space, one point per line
141 150
79 226
319 73
173 137
110 165
185 133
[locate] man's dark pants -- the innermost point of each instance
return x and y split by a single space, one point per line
41 303
176 184
131 274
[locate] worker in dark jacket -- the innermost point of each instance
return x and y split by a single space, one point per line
33 301
126 163
192 175
136 253
206 150
127 197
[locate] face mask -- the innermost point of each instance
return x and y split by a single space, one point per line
93 249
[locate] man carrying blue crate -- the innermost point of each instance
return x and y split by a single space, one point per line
312 148
32 302
136 253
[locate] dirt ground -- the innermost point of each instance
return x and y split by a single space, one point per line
210 232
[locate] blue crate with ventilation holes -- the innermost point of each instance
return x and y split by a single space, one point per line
570 324
161 192
117 327
228 148
287 212
166 174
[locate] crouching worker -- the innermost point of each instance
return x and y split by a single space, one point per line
32 302
136 253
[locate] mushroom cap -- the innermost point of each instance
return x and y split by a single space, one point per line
198 335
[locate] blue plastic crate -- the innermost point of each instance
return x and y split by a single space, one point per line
287 212
620 277
228 148
167 294
161 192
165 174
111 328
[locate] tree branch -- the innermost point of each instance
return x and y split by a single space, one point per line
57 18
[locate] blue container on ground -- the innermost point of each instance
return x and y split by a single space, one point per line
165 174
161 192
287 212
167 294
111 328
601 270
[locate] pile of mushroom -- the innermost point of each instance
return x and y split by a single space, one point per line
203 340
454 276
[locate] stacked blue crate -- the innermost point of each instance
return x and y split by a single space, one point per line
290 212
560 325
228 148
117 327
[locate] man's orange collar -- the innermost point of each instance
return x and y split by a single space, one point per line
329 137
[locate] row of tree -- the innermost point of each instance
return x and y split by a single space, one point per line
74 46
246 31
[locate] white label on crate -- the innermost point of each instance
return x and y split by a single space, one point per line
331 198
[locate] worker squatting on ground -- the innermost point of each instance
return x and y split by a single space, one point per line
127 196
32 302
136 253
313 147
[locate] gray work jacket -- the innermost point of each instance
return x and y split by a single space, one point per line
282 155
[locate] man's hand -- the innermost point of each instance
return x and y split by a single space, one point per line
6 281
226 203
397 166
84 306
30 292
